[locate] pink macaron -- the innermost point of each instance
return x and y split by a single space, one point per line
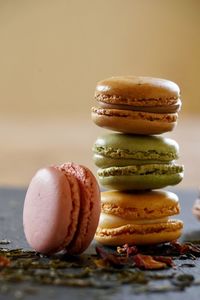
61 209
196 209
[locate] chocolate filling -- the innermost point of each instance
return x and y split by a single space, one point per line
168 108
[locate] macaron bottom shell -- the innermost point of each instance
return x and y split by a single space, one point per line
139 182
89 207
134 122
140 234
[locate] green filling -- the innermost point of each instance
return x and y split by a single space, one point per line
141 155
155 169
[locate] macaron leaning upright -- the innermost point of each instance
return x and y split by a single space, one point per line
61 209
133 162
136 104
138 218
196 208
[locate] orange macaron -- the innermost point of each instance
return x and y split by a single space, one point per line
138 218
136 104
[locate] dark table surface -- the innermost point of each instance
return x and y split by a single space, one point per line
11 206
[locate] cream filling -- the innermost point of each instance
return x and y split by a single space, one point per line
111 221
167 108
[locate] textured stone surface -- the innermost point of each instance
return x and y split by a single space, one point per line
11 205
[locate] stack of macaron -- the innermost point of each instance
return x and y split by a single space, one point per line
135 161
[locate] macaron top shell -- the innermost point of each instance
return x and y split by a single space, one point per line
135 148
145 205
48 212
131 89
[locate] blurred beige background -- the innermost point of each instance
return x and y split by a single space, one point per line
52 53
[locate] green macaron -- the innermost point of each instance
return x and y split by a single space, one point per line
133 162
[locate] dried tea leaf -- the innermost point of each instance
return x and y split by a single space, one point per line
183 280
161 276
147 262
111 259
4 261
100 263
187 248
128 250
157 289
167 260
194 249
5 242
132 277
187 265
